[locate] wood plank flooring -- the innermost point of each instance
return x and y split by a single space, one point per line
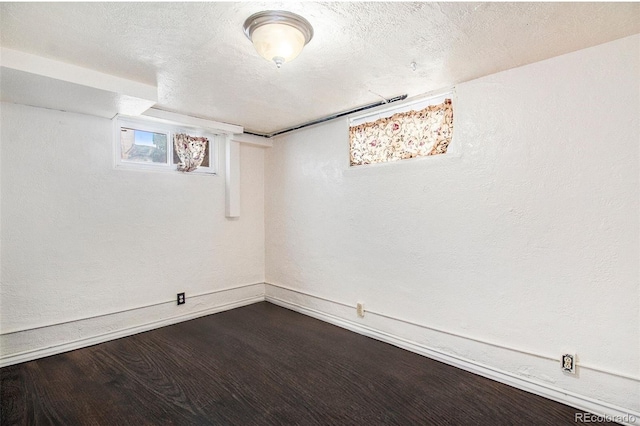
259 365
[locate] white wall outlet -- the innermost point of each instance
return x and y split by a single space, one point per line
360 309
568 362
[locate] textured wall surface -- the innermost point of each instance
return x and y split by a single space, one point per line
80 238
528 239
526 236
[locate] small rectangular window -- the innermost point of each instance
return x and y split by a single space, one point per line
147 145
143 147
421 130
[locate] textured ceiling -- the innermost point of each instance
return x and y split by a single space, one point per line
203 65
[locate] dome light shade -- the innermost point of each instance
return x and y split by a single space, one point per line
277 35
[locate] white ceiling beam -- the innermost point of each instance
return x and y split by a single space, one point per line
187 120
252 140
45 67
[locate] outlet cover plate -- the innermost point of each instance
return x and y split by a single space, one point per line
568 363
181 299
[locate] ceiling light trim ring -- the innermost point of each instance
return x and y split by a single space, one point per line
259 19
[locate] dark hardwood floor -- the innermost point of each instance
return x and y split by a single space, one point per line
260 364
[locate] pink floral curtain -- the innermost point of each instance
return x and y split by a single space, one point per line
403 135
191 151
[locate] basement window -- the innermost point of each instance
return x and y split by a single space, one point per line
141 146
147 145
419 129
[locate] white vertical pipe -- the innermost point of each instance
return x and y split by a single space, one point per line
232 178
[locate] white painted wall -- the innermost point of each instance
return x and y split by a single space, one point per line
527 240
81 239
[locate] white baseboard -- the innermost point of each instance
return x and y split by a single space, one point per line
607 411
580 402
32 354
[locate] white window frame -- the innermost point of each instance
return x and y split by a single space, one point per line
147 125
411 105
417 103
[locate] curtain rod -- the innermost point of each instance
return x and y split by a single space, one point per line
330 117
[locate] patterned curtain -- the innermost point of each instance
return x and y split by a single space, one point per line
190 150
403 135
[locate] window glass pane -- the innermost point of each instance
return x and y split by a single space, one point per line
143 147
205 161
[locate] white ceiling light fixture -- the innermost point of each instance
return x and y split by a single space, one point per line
277 35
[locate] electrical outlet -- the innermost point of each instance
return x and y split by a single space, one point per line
568 362
181 298
360 309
